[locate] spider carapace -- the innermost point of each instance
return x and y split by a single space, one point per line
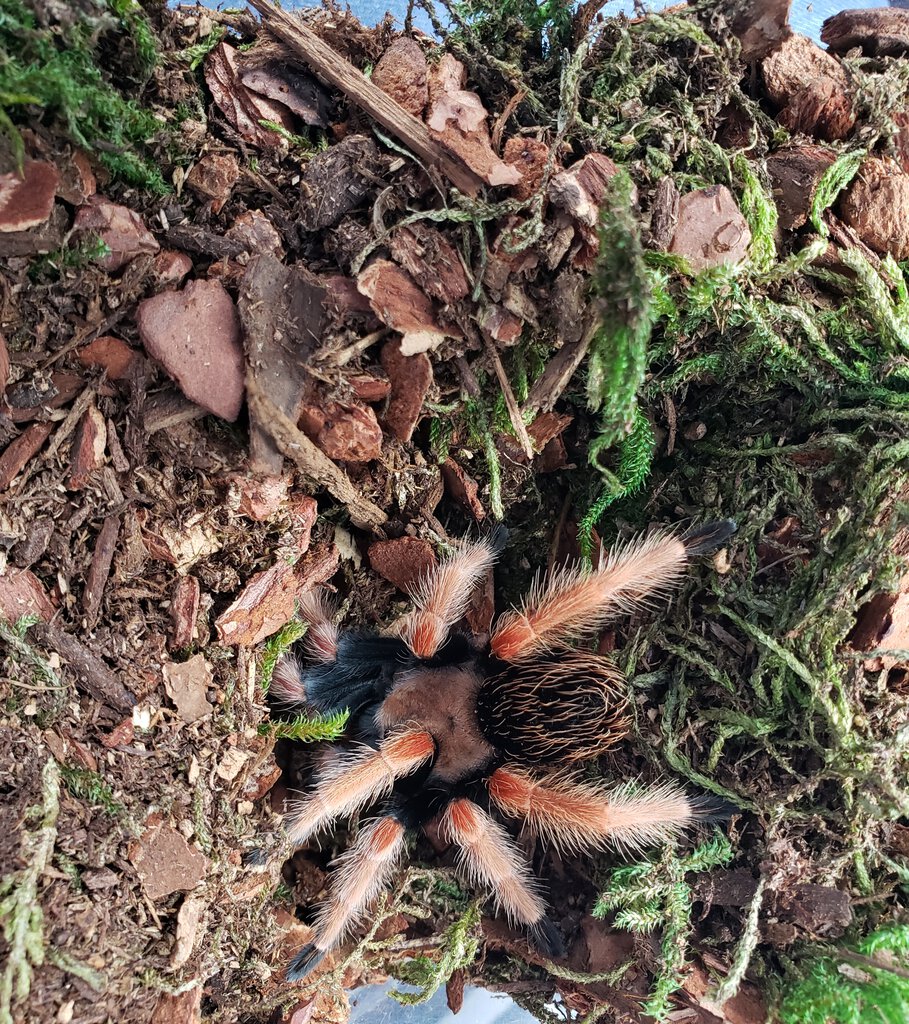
446 727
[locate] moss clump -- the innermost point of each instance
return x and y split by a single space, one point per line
458 950
89 786
868 984
653 895
21 913
58 71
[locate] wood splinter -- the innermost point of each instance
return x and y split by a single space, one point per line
337 71
312 462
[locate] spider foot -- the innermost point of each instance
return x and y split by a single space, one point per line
545 937
309 957
712 810
706 539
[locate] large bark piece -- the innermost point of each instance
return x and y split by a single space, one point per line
281 313
881 32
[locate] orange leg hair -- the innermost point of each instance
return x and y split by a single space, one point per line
363 870
488 857
573 600
352 782
576 816
441 597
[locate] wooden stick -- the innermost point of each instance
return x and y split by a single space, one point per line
99 570
310 460
331 66
514 413
554 379
92 674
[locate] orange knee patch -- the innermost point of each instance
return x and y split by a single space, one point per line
463 818
414 746
510 790
513 639
386 836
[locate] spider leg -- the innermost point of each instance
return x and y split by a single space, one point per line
350 782
363 870
576 816
441 597
573 600
487 856
320 644
327 671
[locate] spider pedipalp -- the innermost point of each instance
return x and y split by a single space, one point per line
446 728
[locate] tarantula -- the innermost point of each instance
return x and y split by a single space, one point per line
445 728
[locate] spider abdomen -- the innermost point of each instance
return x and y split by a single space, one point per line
567 705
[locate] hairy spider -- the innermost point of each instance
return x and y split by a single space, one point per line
445 728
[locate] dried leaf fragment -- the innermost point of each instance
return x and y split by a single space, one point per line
296 90
187 686
165 861
242 107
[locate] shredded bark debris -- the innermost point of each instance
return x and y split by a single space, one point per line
287 302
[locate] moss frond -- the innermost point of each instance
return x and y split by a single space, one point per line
831 183
654 894
21 914
89 786
458 949
306 729
275 646
624 299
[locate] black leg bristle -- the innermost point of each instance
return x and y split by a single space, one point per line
497 538
706 539
546 938
714 810
309 957
255 859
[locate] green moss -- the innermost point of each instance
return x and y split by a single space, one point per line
194 55
60 72
831 183
275 646
867 984
21 912
308 729
654 894
89 786
760 212
137 28
635 460
457 950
